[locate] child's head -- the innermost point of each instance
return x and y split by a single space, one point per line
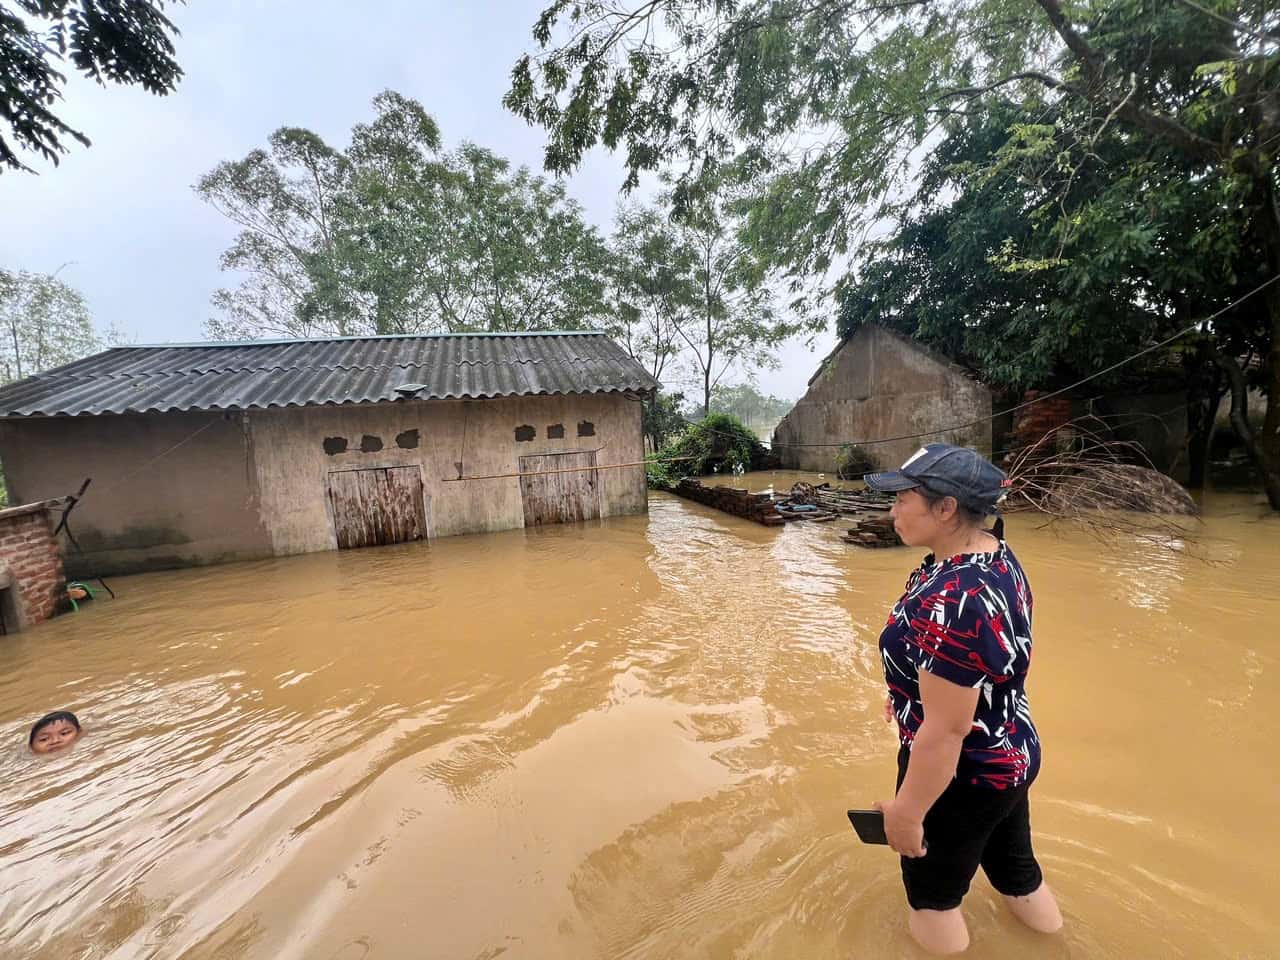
54 732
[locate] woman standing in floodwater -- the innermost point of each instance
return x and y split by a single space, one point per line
956 651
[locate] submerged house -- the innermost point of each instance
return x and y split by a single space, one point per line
880 384
213 452
876 384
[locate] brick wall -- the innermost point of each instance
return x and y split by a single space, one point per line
31 562
1033 423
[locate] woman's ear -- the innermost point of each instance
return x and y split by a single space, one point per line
948 507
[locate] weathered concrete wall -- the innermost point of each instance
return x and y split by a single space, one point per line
1157 422
196 504
30 566
291 462
253 485
879 384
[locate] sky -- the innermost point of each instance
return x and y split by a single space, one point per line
121 220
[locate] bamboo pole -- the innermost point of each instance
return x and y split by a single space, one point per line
542 473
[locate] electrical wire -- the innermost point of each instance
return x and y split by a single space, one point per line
1026 403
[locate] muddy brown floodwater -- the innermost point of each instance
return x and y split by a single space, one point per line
629 738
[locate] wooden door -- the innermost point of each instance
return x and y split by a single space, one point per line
378 506
559 497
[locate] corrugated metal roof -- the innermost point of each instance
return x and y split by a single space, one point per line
294 373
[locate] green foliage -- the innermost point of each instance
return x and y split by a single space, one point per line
652 273
995 275
661 476
662 417
716 443
745 402
822 105
1133 170
820 109
44 323
688 294
815 103
127 43
392 235
735 321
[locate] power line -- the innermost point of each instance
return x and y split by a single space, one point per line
1027 403
159 456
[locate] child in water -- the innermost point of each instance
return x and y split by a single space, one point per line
54 732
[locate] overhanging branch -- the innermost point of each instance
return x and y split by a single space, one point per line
1095 68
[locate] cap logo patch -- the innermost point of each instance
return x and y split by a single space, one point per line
913 458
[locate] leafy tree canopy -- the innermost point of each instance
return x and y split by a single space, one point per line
715 443
44 323
825 108
985 267
395 235
745 402
120 41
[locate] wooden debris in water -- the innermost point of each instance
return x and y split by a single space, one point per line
874 532
820 504
802 504
840 501
741 503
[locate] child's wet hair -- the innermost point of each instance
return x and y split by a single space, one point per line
49 718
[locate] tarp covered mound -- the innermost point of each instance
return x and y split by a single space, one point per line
1119 486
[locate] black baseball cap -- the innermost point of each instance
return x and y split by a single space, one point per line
948 471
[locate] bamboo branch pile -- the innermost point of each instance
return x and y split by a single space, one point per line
1093 481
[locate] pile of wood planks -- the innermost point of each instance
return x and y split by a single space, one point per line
742 503
841 501
873 532
873 526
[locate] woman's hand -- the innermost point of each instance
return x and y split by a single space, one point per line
904 831
888 708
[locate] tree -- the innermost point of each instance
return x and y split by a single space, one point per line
653 288
44 323
983 268
392 235
651 278
123 41
733 322
283 199
744 402
716 441
831 101
662 418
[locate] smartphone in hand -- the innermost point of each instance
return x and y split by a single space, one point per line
869 825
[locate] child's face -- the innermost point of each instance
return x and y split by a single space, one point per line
55 736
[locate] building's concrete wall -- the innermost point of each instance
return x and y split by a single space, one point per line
879 384
291 464
1157 422
254 485
195 504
